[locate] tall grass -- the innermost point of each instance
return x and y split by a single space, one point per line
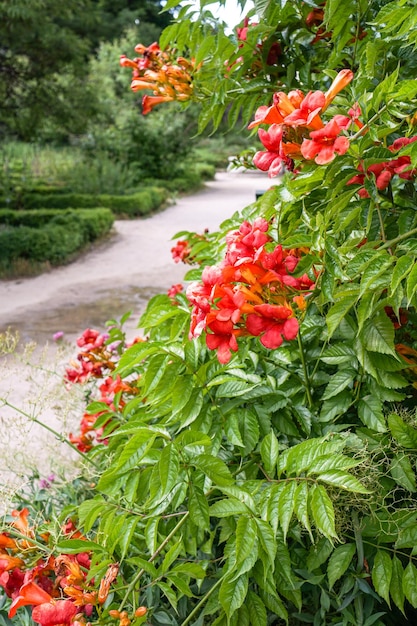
24 164
33 161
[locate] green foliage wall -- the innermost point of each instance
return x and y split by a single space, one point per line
251 459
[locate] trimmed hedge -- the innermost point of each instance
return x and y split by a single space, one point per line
48 236
140 203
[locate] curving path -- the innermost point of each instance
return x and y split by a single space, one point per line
122 273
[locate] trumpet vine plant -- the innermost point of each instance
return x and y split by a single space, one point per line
250 459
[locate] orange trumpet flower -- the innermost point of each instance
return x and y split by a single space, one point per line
343 78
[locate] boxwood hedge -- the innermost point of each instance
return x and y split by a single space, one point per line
133 205
49 236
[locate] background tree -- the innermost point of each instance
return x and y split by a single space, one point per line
44 56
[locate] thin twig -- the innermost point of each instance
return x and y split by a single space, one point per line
51 430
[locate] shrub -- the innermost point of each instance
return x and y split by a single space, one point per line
49 236
206 171
133 205
255 453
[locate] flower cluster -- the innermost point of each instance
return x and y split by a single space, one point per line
384 172
297 131
57 588
92 359
181 251
168 78
97 360
251 293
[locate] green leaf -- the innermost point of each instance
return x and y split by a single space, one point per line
401 269
257 610
126 536
321 509
396 586
303 416
286 505
261 7
140 563
365 308
403 433
343 480
232 593
246 537
335 406
298 458
272 505
232 430
339 562
319 553
301 506
134 450
192 409
338 382
376 275
410 584
191 441
370 413
134 356
267 540
274 603
338 354
337 14
170 557
402 471
155 372
378 334
214 468
384 89
168 467
269 453
74 546
151 534
407 537
89 511
340 309
249 429
190 569
382 574
412 282
180 584
181 392
234 388
227 508
331 462
241 494
198 507
168 593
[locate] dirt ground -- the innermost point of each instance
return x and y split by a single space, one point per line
119 275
